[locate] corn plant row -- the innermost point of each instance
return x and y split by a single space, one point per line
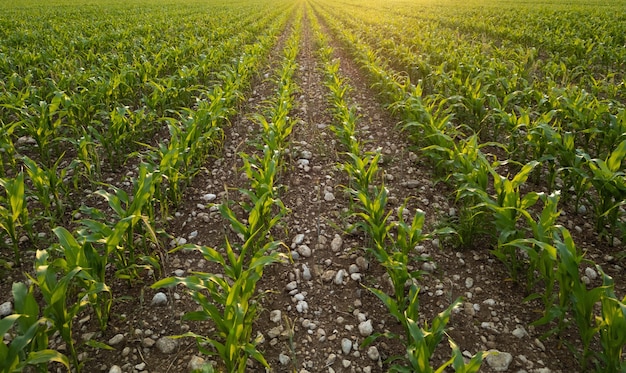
547 249
392 241
231 303
101 110
593 49
571 131
174 162
75 280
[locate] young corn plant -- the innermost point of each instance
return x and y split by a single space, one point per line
86 165
29 336
49 187
45 124
84 253
134 223
507 208
65 291
15 215
609 180
228 301
612 325
573 296
542 254
7 147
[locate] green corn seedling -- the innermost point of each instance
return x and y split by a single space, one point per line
49 185
29 345
84 254
64 295
609 180
45 124
612 325
16 215
230 303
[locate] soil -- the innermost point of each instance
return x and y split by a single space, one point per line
493 304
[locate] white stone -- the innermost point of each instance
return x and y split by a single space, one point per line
275 331
196 363
366 328
356 277
167 345
339 277
362 263
179 241
117 339
329 197
298 239
159 299
469 282
499 361
209 197
304 250
284 359
591 273
346 346
6 309
115 369
429 266
372 353
275 316
302 306
305 154
306 272
291 286
336 243
489 302
193 235
520 332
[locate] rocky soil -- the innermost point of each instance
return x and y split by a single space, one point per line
315 309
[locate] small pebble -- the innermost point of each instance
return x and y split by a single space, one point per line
196 363
159 299
304 250
346 346
275 316
372 353
6 309
366 328
284 359
117 339
167 345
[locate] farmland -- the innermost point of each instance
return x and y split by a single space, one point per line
312 186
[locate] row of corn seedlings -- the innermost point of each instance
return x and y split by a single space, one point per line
105 115
193 132
229 299
568 129
71 275
525 240
392 241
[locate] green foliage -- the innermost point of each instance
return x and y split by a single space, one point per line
15 215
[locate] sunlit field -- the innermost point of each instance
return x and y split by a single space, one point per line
312 186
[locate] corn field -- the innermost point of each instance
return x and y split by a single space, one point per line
312 186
